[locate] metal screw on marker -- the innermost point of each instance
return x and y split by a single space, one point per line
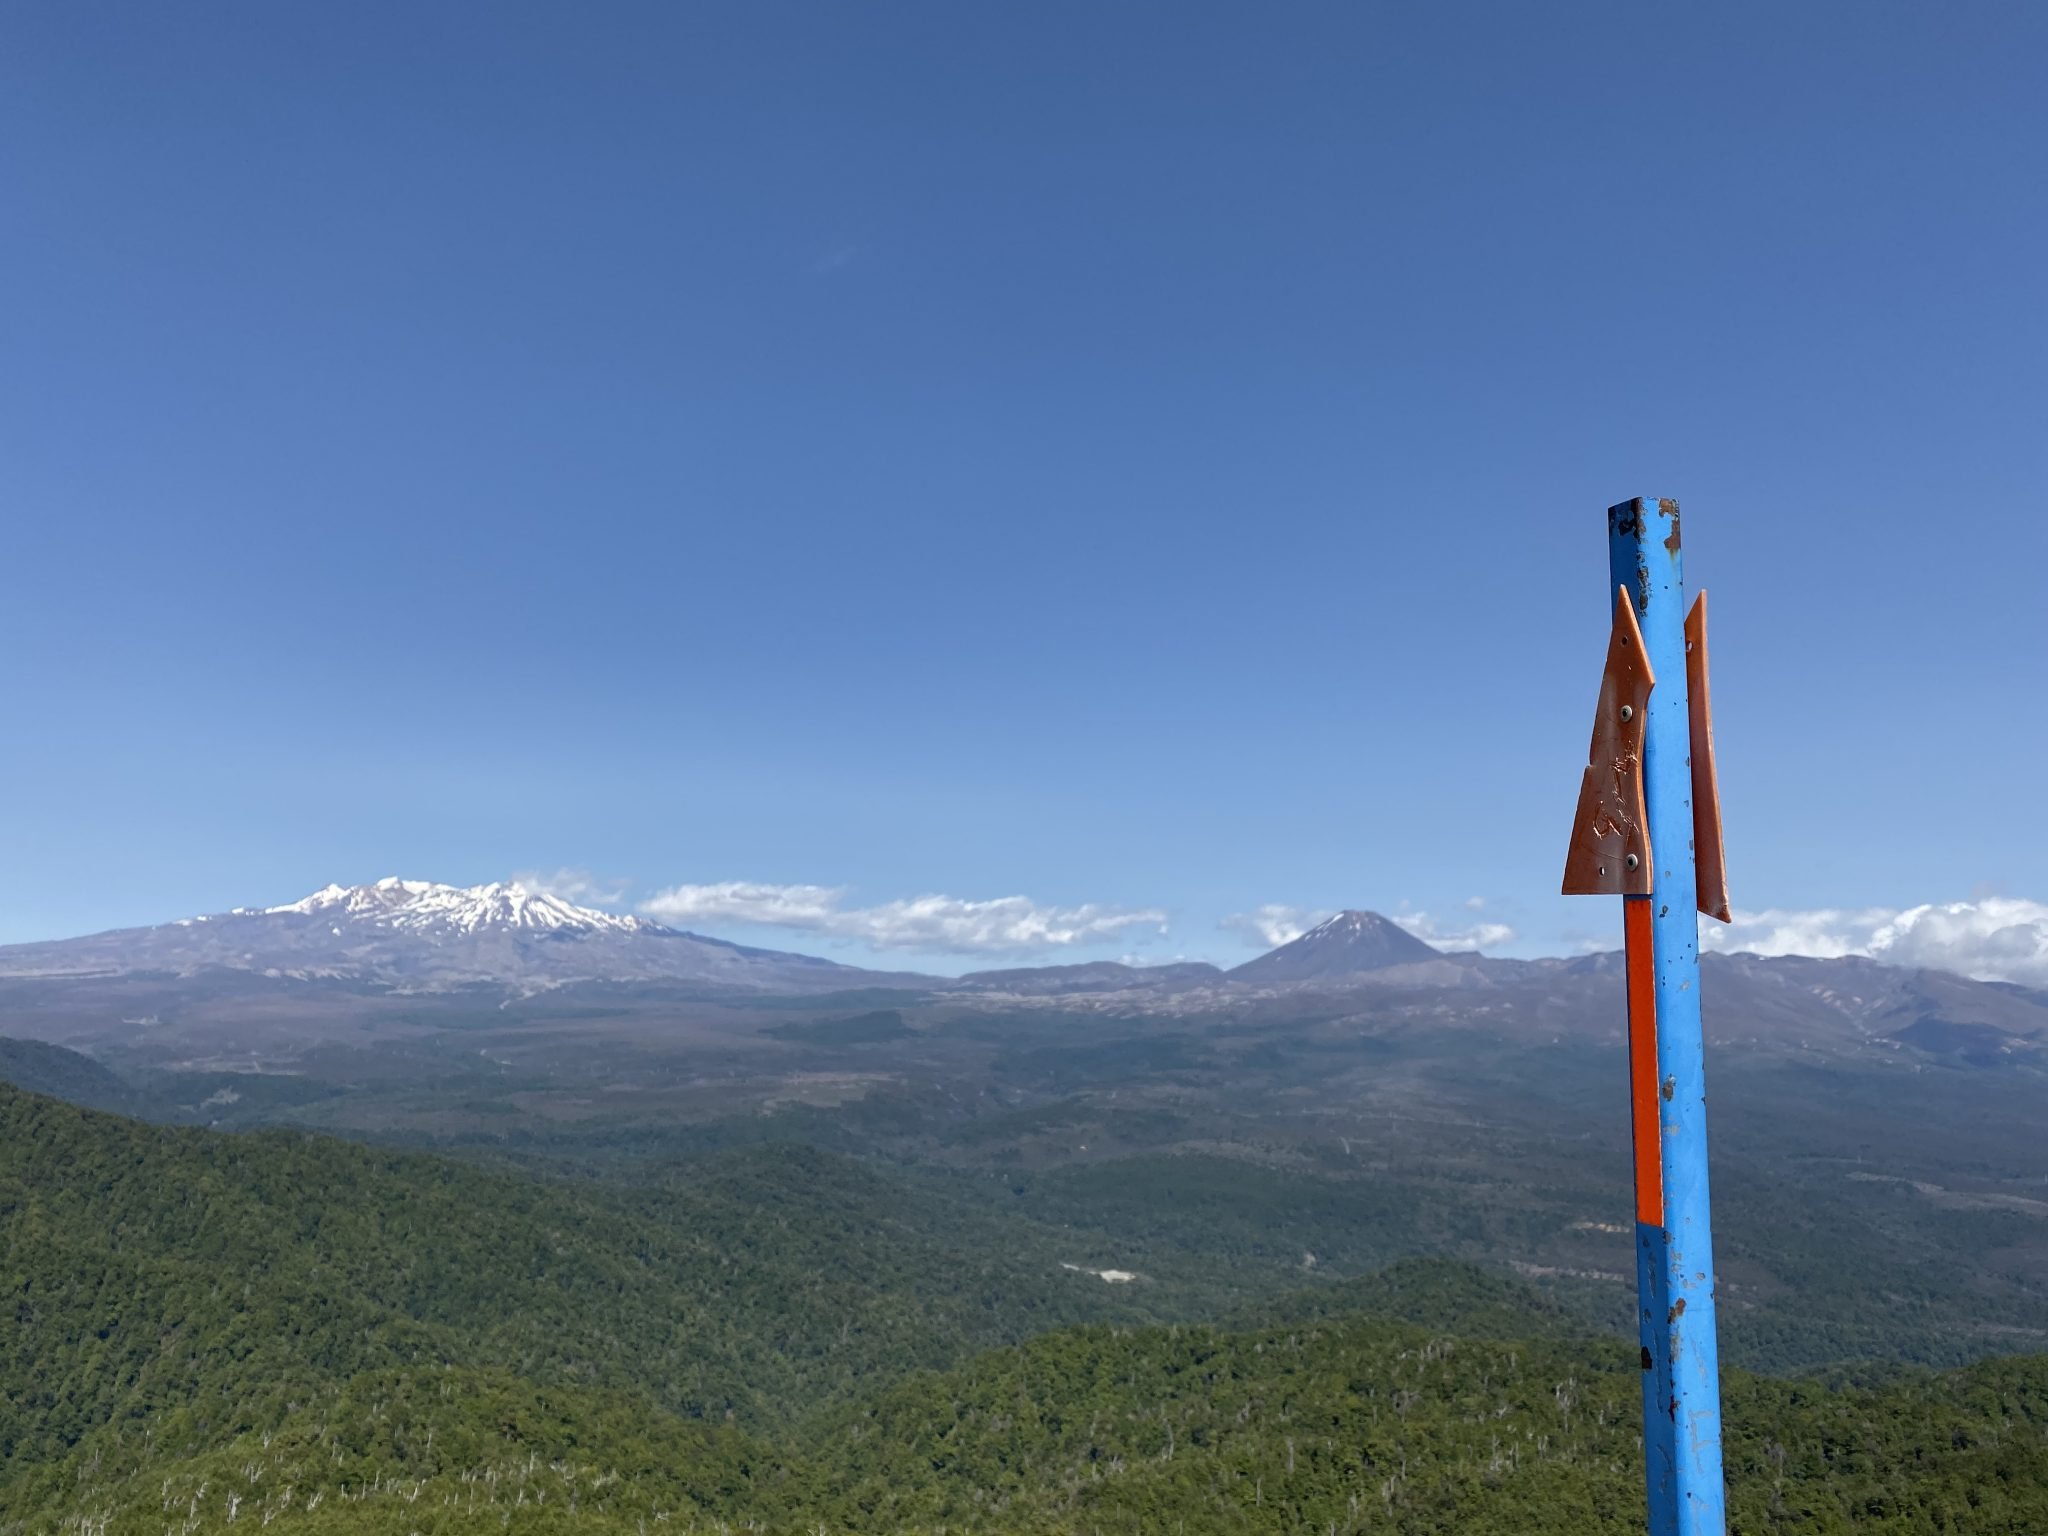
1628 713
1632 861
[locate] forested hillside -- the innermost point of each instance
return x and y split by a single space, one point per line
208 1330
149 1260
38 1067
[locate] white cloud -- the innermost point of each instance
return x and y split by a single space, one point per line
575 885
934 924
1273 925
809 907
2000 938
1472 936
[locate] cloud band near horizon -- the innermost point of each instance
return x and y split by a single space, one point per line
1997 938
930 924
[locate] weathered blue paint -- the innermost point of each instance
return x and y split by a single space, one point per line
1660 1426
1674 1264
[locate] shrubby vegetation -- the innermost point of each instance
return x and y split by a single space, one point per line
270 1331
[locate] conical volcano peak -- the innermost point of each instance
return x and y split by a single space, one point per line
1352 942
1354 924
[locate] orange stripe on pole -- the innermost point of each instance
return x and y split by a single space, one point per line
1642 1059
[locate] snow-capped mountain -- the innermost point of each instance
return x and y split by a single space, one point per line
1346 944
420 935
422 906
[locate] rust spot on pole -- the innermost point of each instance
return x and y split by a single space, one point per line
1610 848
1709 851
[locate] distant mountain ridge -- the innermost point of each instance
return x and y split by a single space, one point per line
1092 976
424 935
232 980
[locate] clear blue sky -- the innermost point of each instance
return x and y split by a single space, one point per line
1143 456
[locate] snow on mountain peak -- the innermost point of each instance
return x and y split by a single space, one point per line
1351 923
424 906
1349 943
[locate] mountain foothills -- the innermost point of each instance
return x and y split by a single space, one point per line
212 1330
476 1205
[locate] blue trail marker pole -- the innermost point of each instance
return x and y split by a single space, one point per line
1647 805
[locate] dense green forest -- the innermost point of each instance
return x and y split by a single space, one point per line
146 1259
210 1330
